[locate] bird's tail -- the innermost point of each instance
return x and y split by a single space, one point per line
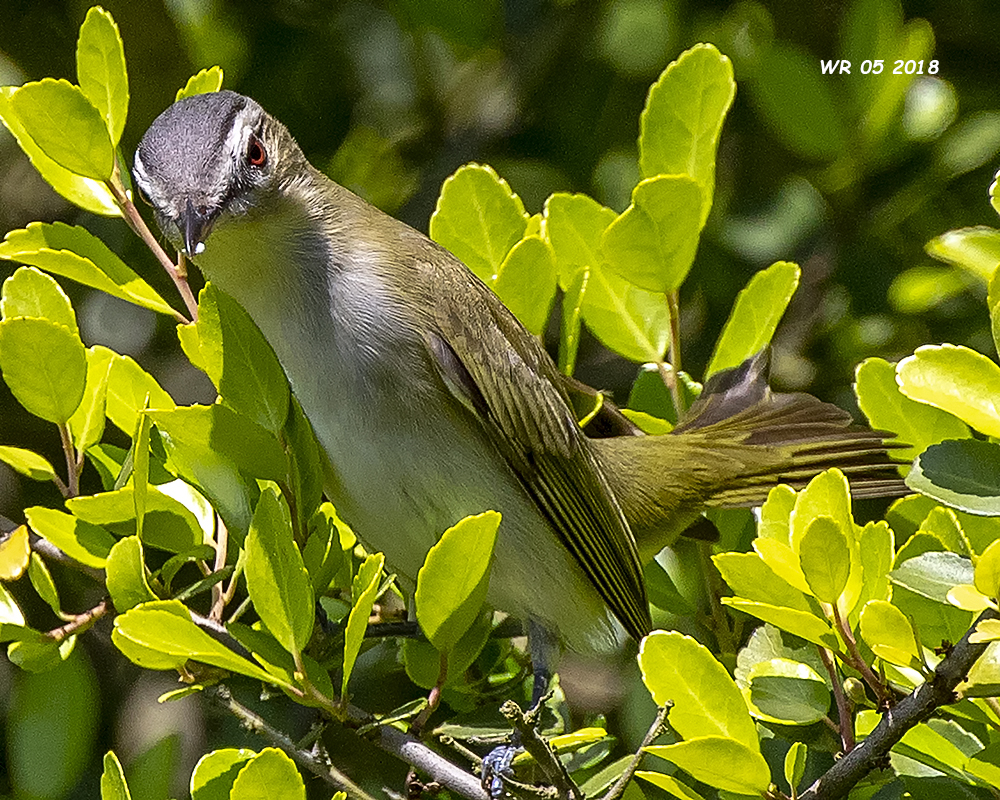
737 441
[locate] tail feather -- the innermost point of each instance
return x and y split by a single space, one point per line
733 447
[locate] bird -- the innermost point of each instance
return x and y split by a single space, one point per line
431 402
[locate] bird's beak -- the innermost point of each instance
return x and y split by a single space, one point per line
195 224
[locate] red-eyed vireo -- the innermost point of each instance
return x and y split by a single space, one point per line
432 402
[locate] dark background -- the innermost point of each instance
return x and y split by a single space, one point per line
391 97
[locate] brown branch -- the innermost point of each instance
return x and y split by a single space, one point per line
914 708
81 622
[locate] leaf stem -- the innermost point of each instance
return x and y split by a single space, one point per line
219 597
674 384
72 473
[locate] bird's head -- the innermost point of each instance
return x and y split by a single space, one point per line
207 157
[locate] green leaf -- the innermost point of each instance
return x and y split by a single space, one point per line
66 127
787 692
77 254
653 243
15 552
750 577
804 625
680 125
113 786
775 514
204 82
213 775
628 320
423 660
795 765
324 553
783 561
45 366
825 559
29 464
962 473
706 701
569 328
573 225
526 282
276 576
976 250
876 545
100 69
91 195
243 365
305 464
987 578
943 524
270 774
87 423
755 316
797 103
826 495
363 592
41 580
724 763
165 628
40 655
68 726
889 634
479 219
129 386
933 574
955 379
88 544
887 408
126 575
30 293
256 451
169 525
669 784
452 583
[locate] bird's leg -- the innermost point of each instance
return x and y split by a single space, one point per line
544 648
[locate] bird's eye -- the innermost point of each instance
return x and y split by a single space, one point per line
256 154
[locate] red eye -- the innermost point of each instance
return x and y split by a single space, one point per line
256 154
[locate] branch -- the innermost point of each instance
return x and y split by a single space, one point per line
414 752
618 789
549 763
908 712
222 697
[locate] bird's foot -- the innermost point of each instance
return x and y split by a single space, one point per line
496 767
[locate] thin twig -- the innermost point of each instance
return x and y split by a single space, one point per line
674 312
221 553
221 695
139 227
549 763
844 715
916 707
619 786
719 618
72 488
81 622
857 661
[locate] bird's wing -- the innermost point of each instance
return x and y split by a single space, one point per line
503 375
